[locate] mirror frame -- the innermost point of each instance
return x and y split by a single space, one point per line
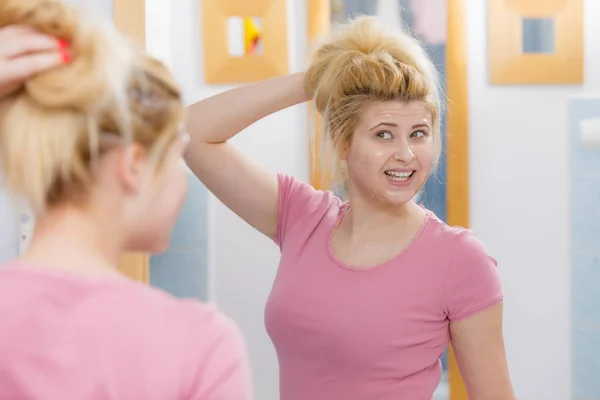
129 17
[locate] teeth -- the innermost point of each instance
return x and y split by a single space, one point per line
398 176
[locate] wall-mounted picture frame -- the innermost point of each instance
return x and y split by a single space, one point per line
244 40
130 18
535 42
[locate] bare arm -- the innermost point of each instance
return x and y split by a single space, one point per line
245 187
479 347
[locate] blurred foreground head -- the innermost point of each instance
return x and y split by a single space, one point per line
101 132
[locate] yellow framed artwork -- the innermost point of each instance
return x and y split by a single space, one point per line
130 18
536 41
456 148
244 40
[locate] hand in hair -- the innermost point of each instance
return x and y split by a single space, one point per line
25 52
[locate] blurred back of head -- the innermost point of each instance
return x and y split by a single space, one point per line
54 129
361 61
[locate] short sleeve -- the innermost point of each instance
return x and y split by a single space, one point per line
298 201
220 369
473 283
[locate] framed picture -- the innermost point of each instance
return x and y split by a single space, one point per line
244 40
535 41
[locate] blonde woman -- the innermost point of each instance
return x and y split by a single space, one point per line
369 292
92 140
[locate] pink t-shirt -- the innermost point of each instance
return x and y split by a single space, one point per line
366 334
69 337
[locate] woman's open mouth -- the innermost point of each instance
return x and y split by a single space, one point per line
398 176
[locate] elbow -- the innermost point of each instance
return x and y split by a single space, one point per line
507 394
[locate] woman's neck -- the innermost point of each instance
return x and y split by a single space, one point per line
367 221
75 240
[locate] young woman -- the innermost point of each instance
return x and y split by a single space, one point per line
371 291
95 145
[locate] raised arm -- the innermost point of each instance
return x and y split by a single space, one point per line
245 187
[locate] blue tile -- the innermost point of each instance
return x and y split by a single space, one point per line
585 215
586 364
183 274
585 256
585 291
584 162
191 230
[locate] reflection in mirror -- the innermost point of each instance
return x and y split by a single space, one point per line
244 36
426 19
538 35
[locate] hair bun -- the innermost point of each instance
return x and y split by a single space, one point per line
362 57
96 65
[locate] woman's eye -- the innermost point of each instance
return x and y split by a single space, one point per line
384 134
418 134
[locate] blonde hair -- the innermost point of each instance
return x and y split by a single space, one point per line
359 62
54 128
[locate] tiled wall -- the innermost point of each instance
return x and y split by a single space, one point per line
183 269
585 254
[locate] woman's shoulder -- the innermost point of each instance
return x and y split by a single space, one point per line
189 312
307 195
303 209
452 242
439 231
111 295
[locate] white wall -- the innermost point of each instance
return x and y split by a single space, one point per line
519 197
519 205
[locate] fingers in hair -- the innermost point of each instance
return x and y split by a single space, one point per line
21 68
19 40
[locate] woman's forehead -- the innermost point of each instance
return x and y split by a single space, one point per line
396 112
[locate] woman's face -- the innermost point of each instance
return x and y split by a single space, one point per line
391 153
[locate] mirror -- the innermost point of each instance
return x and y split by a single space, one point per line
428 20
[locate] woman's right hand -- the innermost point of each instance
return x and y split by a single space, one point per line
24 53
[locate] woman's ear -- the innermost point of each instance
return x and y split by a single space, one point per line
132 168
343 149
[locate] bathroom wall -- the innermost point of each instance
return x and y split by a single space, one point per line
520 206
520 202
